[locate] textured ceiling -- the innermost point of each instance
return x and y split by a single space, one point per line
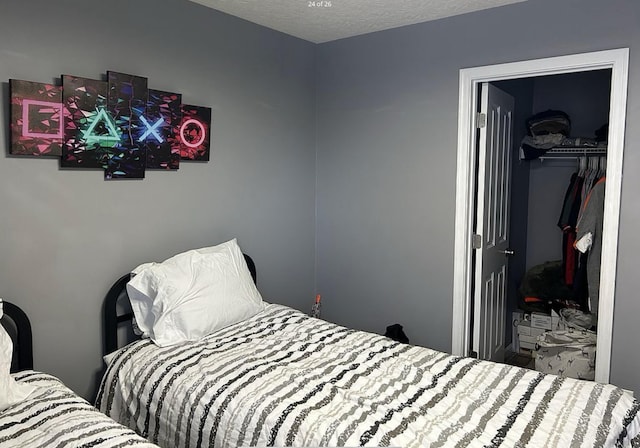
326 20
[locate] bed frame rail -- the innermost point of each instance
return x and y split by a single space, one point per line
21 334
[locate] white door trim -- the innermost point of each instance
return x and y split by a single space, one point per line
617 60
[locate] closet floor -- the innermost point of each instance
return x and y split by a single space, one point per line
519 360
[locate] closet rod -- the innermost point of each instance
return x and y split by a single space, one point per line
573 153
563 157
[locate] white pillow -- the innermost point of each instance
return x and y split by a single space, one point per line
193 294
11 392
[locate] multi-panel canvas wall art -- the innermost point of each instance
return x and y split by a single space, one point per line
37 127
118 125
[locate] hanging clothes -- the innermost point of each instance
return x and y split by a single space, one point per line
589 239
577 268
591 176
580 287
567 223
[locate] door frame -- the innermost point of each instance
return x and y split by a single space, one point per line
470 78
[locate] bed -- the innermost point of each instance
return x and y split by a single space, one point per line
41 410
282 378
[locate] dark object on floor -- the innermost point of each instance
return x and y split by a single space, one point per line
544 282
395 332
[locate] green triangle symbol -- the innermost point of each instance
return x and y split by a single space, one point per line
111 139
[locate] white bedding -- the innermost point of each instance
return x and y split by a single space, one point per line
284 379
53 416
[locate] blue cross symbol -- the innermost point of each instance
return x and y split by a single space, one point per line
151 129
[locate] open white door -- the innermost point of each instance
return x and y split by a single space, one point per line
491 240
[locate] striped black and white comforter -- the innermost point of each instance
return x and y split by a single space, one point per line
284 379
54 416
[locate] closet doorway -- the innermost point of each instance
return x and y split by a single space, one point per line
616 61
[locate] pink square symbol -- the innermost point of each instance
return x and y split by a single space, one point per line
26 104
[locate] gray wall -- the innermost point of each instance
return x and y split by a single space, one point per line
583 96
67 235
387 134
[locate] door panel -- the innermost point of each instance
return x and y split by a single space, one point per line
494 179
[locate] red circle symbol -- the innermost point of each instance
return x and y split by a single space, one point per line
183 128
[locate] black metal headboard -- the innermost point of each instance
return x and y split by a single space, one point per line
113 318
19 328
